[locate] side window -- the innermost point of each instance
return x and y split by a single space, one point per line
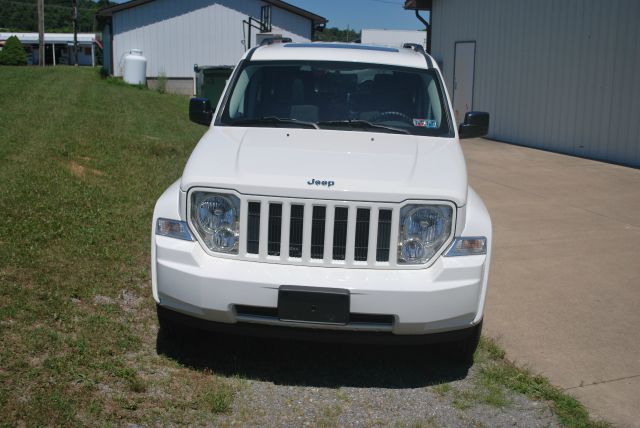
237 103
434 105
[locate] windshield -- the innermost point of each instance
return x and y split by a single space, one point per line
337 95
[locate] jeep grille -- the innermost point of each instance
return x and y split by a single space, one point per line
334 233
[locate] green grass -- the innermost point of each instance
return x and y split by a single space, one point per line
82 161
496 373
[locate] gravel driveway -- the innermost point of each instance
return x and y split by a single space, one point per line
287 383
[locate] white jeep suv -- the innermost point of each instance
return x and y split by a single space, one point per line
327 200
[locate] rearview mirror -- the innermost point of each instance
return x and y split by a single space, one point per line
476 124
200 111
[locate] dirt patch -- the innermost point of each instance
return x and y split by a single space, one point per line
129 300
103 300
82 171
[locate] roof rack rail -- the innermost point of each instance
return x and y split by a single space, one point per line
415 47
273 40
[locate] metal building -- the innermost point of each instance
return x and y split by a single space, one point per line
58 47
560 75
175 35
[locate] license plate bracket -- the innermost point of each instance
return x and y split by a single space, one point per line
313 304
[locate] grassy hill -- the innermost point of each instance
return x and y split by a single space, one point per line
82 161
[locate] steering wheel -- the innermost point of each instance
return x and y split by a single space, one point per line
392 114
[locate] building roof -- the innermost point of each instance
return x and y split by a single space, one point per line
51 37
418 4
317 19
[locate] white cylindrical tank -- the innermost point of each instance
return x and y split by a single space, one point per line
135 68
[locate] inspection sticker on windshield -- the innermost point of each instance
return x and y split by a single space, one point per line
425 123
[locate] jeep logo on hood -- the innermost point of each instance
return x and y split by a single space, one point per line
315 182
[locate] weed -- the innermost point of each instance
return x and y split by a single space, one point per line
441 389
218 397
161 83
464 400
500 373
329 416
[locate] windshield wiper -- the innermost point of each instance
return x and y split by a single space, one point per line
359 123
272 120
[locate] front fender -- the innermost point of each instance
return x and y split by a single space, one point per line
167 206
478 223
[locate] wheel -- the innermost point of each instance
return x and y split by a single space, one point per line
168 326
392 114
463 350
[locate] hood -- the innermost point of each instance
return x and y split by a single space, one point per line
328 164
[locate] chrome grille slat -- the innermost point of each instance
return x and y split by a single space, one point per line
264 229
285 230
306 232
351 235
328 233
393 251
373 237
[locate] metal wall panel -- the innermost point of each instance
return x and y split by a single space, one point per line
558 75
175 35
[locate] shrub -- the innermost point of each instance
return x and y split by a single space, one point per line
13 52
104 73
162 83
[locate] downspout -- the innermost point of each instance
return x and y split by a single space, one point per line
427 27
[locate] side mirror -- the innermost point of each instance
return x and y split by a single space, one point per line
200 111
476 124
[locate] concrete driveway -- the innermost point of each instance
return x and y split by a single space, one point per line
564 294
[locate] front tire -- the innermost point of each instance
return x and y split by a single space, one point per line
168 326
463 350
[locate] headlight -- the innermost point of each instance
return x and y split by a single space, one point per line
423 231
216 218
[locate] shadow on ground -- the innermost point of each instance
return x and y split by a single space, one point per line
289 362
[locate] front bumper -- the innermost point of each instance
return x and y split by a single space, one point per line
315 335
447 296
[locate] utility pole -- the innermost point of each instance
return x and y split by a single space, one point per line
41 32
75 32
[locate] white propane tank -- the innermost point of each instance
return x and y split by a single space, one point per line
135 68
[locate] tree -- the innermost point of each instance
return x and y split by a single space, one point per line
21 15
337 35
13 52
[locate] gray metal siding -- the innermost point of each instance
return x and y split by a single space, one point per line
558 75
175 35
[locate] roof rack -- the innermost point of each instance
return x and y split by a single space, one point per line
415 47
273 40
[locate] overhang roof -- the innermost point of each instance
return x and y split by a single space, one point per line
418 4
60 38
316 19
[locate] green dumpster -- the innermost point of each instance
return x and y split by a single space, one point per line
211 80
